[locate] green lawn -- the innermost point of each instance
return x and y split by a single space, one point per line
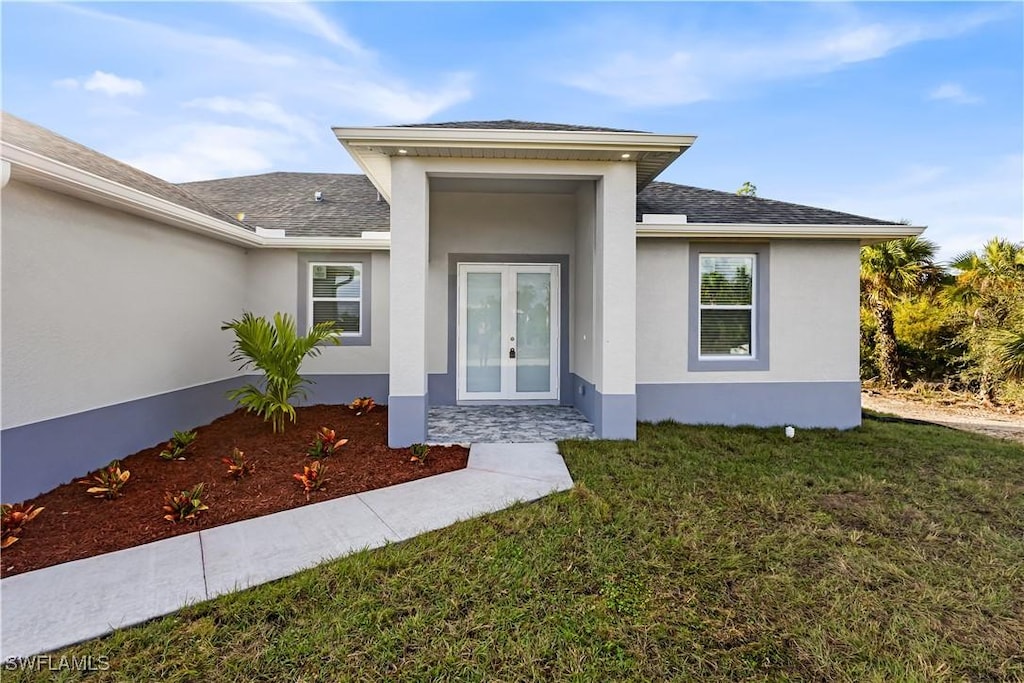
890 552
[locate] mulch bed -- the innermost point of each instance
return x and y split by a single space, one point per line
75 525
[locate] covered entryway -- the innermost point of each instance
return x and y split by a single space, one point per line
507 195
508 332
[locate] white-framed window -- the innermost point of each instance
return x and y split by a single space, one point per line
336 294
727 322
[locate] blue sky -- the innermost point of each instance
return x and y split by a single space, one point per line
898 111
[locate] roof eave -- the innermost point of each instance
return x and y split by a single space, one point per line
865 234
372 147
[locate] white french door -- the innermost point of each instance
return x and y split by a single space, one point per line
508 336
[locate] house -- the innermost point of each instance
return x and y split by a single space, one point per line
481 262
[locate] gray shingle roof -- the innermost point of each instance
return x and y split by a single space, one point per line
21 133
512 124
351 206
712 206
285 201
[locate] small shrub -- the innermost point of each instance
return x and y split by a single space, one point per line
238 464
12 519
362 405
275 349
186 505
107 482
325 443
176 447
312 477
419 452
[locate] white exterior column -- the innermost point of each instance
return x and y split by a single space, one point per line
615 303
410 218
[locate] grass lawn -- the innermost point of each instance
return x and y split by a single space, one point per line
890 552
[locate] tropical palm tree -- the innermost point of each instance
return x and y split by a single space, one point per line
989 289
277 350
889 271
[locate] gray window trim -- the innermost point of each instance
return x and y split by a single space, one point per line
761 314
302 310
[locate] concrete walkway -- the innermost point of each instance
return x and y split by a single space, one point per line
57 606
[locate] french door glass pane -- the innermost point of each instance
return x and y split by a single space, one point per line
483 332
533 332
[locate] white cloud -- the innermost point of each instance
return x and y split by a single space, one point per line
113 85
295 76
210 49
953 92
311 20
962 206
257 109
103 82
400 103
200 152
666 66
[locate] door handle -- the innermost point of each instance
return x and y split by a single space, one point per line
512 352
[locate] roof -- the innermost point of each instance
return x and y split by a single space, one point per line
38 140
285 201
350 205
513 124
713 206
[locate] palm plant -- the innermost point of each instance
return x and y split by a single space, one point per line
889 271
277 350
1009 350
989 289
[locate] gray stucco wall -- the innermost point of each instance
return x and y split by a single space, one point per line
100 307
814 323
111 335
273 285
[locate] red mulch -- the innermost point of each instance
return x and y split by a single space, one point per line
75 525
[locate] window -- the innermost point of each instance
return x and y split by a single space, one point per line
337 295
727 306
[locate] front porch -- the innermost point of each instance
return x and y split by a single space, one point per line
506 424
512 276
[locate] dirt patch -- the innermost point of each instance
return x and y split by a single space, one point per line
75 525
849 500
980 420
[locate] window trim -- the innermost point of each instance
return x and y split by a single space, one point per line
752 307
305 292
758 360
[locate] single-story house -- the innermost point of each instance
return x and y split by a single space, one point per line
479 262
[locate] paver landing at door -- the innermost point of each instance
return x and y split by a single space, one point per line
506 424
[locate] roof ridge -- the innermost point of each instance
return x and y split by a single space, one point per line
515 124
